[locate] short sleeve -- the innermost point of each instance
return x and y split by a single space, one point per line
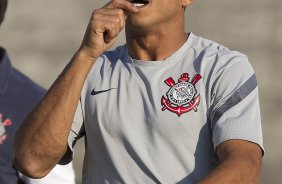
77 131
58 175
235 111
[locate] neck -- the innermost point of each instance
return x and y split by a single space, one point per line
154 45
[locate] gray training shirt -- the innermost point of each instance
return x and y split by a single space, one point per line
160 121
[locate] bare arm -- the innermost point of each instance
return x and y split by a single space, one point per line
240 162
41 140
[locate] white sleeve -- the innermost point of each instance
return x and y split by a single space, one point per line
58 175
235 111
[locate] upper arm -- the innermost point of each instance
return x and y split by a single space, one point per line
244 155
240 148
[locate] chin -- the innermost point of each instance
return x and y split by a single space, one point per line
136 23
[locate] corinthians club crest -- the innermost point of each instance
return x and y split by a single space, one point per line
3 124
181 97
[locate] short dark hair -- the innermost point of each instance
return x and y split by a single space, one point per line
3 7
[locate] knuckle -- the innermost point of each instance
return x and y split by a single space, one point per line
95 16
119 12
116 20
112 25
96 12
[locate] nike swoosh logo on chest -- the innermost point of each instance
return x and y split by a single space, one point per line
93 92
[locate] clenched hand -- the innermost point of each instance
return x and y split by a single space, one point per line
105 25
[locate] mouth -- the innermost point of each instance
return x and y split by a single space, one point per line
139 3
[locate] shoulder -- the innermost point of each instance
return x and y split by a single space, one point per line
218 58
210 48
108 63
109 60
115 54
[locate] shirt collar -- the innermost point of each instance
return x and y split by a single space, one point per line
5 70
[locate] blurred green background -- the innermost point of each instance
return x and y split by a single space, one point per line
41 36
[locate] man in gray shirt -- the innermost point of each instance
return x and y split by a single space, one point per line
166 107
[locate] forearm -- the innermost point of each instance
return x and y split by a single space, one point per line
41 140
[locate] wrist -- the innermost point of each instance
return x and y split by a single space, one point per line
87 54
83 60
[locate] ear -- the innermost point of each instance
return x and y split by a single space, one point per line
186 3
